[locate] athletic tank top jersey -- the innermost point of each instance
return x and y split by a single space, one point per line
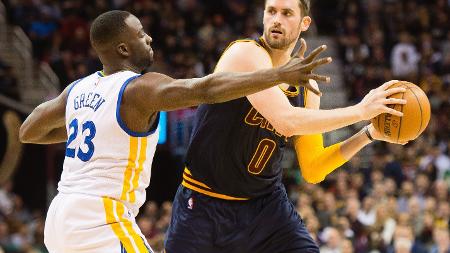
103 157
234 152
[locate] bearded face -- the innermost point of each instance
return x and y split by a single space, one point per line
280 38
282 23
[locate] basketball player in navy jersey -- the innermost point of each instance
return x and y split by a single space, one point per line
231 198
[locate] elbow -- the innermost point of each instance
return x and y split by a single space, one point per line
286 128
310 172
23 134
311 178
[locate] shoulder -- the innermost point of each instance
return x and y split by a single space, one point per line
247 49
145 87
150 79
244 55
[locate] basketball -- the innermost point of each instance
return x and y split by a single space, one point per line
416 114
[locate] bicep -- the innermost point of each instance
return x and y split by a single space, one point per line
246 59
44 118
154 92
53 112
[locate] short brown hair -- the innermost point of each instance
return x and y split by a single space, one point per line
304 5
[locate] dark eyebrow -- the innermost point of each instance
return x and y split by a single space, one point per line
289 10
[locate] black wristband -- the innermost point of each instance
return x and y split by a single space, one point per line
366 131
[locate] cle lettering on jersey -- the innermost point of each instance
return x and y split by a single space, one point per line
91 100
254 118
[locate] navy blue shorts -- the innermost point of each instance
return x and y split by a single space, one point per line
202 224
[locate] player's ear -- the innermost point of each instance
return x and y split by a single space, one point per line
122 49
306 21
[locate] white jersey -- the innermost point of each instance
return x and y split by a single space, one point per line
103 157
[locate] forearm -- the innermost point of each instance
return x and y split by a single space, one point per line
224 86
354 144
57 135
312 121
316 162
40 129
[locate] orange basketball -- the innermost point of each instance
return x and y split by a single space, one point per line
416 115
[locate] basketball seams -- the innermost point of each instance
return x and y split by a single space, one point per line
408 133
401 110
421 112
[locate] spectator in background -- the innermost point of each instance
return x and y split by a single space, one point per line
347 246
367 213
405 58
441 239
8 82
41 33
6 199
404 241
332 239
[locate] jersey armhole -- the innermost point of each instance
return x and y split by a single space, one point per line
122 125
72 85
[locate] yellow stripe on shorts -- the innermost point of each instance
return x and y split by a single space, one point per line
115 225
122 227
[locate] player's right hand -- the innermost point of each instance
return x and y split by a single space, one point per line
299 69
376 135
376 101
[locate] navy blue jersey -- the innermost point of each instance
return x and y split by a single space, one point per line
234 152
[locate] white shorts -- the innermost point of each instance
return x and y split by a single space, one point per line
78 223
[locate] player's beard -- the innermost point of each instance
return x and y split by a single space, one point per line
143 60
280 43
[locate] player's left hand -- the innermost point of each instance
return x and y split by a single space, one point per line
376 135
300 53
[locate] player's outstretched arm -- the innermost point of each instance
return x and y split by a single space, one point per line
317 161
157 92
46 124
288 120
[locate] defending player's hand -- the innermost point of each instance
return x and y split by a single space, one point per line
377 100
299 69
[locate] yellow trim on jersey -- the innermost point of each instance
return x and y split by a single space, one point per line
209 193
305 96
142 158
290 93
130 167
244 40
187 171
191 180
122 227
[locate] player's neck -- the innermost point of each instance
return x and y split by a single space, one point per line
281 56
112 69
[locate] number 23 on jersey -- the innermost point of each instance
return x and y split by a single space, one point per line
84 151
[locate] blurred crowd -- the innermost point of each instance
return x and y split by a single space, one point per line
8 81
187 42
398 201
21 230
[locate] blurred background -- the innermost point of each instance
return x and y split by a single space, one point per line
389 198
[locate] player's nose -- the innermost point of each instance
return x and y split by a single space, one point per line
277 19
149 39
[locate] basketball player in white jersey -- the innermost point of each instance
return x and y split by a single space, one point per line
109 120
